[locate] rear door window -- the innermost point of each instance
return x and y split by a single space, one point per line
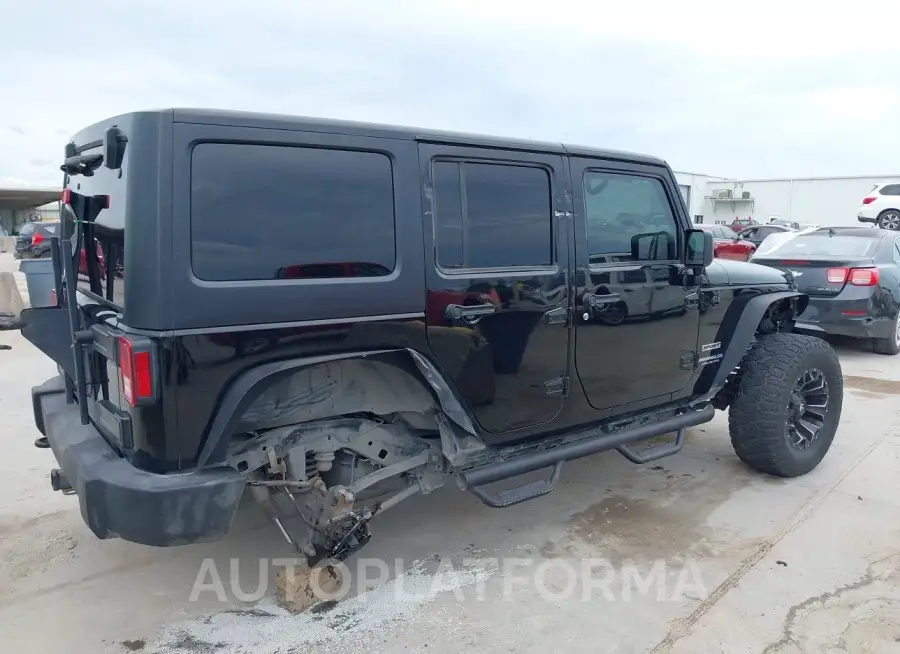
492 215
263 212
891 189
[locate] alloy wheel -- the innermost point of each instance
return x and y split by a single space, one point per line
890 220
807 408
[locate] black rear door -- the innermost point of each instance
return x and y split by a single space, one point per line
497 277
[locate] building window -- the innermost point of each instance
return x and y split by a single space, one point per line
277 212
492 216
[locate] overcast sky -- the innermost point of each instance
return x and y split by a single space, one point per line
739 89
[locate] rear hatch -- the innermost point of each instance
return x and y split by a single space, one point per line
111 371
822 262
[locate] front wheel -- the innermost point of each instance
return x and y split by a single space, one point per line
788 405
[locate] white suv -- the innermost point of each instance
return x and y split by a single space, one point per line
881 206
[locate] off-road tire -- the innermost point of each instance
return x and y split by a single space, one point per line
758 415
890 345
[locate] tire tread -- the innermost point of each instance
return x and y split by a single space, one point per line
756 417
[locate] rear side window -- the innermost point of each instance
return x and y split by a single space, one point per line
492 215
891 189
261 212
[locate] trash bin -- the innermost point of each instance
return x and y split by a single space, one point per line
40 280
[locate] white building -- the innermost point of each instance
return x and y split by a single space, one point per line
812 200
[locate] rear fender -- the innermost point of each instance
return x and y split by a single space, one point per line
737 333
250 385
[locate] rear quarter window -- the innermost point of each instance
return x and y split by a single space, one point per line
264 212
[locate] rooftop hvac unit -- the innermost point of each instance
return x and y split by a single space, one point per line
723 193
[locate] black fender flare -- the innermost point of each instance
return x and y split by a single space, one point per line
250 384
736 334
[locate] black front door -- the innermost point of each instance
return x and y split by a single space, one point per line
636 325
498 295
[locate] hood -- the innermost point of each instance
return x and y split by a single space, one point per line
742 273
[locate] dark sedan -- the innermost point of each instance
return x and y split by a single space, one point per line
33 240
852 278
759 233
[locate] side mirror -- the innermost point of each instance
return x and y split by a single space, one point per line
699 249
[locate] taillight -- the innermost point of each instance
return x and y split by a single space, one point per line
869 199
136 370
856 276
864 276
37 238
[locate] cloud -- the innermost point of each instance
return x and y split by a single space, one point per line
731 88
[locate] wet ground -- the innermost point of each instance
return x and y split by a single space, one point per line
694 553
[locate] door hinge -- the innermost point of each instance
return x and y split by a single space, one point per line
688 361
556 386
558 316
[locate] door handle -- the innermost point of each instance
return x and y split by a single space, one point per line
594 301
470 314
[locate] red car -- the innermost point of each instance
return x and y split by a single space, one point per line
727 244
740 224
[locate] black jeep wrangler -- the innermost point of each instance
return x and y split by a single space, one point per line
337 316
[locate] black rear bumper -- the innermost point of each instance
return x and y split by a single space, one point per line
827 315
119 500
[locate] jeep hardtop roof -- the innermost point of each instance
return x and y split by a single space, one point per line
355 128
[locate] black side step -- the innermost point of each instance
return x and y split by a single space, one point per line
597 441
656 452
518 494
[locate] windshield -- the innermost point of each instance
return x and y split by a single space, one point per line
816 244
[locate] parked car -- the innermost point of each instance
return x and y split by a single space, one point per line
159 430
742 223
727 244
881 207
852 278
784 222
756 235
33 240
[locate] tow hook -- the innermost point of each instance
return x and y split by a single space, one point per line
59 482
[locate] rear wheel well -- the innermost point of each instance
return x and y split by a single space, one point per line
383 386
